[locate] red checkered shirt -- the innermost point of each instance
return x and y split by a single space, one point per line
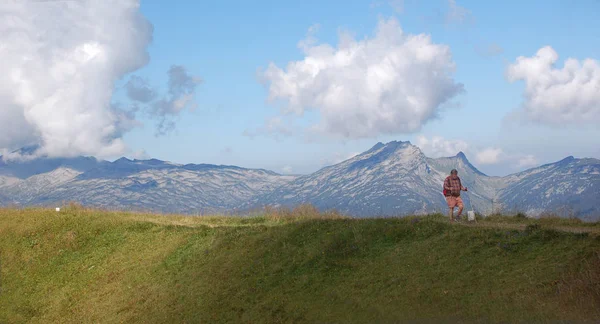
453 186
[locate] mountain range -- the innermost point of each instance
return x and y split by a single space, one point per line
387 180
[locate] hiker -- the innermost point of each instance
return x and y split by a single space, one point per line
452 189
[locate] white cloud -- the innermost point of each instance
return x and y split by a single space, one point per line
139 89
389 84
527 161
60 61
457 14
438 146
343 157
140 155
557 96
181 94
489 156
338 157
287 169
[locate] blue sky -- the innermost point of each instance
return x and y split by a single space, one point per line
230 45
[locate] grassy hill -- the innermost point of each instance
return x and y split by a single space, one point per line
91 266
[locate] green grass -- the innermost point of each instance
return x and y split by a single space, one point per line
300 266
547 220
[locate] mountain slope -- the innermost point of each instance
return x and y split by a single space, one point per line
8 180
397 179
570 187
483 189
28 191
150 185
389 179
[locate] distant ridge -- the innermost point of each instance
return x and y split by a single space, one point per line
389 179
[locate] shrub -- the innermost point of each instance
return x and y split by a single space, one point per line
532 228
306 211
521 216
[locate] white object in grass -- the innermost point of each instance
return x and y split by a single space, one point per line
57 209
471 215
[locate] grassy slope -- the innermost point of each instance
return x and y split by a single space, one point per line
81 266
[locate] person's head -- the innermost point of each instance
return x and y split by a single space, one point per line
454 173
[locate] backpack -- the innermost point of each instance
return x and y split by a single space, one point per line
444 191
447 192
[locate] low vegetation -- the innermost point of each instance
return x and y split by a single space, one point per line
82 265
543 220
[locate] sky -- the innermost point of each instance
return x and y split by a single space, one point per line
293 86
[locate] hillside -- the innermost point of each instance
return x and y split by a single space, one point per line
89 266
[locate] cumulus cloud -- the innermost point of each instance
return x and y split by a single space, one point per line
180 96
287 169
60 61
438 146
489 156
388 84
558 96
527 161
